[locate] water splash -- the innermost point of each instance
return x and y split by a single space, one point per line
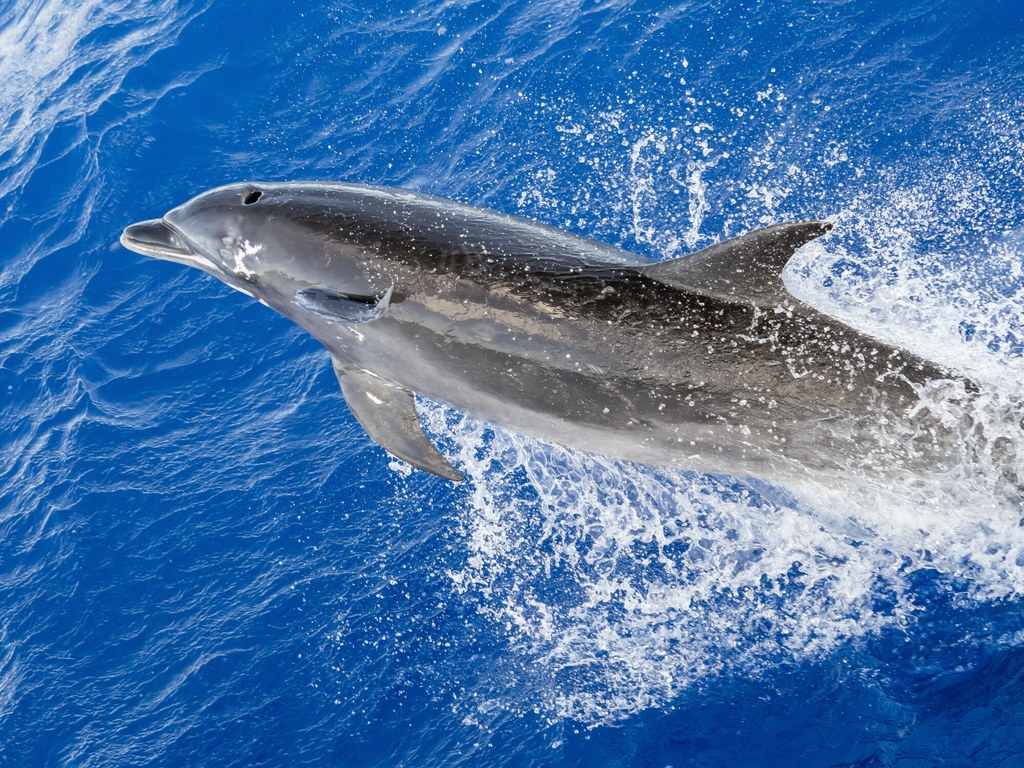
629 584
618 587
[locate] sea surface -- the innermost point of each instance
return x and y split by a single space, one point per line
204 561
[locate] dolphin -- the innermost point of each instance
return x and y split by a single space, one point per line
704 362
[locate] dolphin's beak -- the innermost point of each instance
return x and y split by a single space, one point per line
155 238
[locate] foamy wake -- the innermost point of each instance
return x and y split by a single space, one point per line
625 584
620 586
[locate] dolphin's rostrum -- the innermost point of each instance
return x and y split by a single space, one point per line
704 362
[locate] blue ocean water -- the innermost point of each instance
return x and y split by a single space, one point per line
203 559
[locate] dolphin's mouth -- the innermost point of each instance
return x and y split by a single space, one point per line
157 239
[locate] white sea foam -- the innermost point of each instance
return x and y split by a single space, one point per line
628 584
621 586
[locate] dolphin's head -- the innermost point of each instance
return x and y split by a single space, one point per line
271 241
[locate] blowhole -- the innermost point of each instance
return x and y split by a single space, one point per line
251 197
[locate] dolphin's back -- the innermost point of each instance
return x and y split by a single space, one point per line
442 233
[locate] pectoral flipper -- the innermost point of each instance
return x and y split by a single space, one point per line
388 414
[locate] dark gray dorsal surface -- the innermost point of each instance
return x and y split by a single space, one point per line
745 269
388 414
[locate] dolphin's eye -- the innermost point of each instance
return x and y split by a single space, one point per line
251 197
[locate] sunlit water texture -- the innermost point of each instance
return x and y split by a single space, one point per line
204 560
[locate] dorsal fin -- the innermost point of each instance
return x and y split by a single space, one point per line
747 268
388 414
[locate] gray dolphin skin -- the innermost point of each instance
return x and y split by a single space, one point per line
704 362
